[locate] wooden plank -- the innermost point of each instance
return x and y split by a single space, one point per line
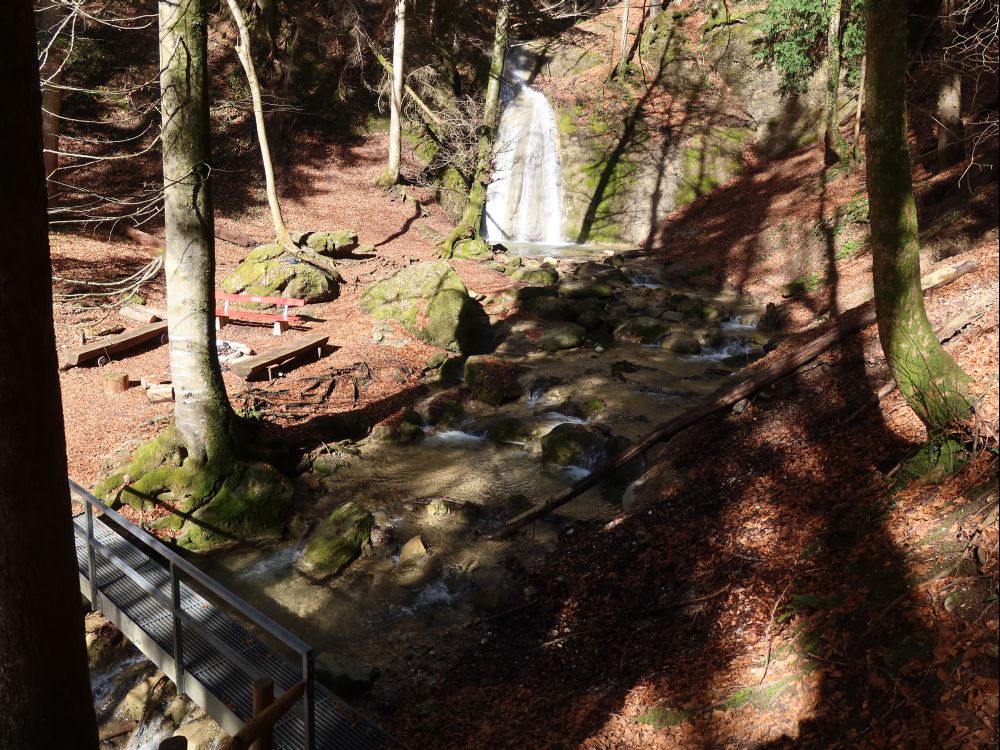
115 344
249 366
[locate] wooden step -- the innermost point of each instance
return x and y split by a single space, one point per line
248 367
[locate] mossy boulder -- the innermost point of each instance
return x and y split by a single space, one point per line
474 248
681 342
582 289
537 276
565 336
491 380
335 244
336 543
549 308
642 330
599 272
574 445
271 271
503 429
429 300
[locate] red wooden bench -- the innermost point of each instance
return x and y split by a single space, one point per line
229 311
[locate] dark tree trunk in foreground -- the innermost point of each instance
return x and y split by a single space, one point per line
201 411
930 381
45 699
472 217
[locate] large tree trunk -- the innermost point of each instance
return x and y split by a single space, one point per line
201 409
930 381
44 685
244 52
949 104
623 44
472 217
833 144
396 96
50 19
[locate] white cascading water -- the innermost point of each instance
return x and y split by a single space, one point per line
523 200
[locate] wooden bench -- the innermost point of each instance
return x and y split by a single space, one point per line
247 367
102 350
281 320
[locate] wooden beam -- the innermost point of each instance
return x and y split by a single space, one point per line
115 344
247 367
265 720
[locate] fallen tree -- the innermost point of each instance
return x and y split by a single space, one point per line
851 322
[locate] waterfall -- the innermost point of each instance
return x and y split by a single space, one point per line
523 200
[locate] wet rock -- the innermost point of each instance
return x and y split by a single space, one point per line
271 271
565 336
600 272
413 549
201 733
541 276
336 543
503 429
493 588
672 316
491 380
582 289
430 301
472 249
446 406
438 507
346 677
681 343
642 330
550 308
574 445
590 319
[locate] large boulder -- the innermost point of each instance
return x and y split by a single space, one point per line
574 445
472 249
565 336
642 330
538 275
550 308
272 271
491 380
339 243
336 543
429 300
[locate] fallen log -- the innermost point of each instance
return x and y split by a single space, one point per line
851 322
235 238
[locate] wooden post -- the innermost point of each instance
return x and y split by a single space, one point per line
115 382
263 696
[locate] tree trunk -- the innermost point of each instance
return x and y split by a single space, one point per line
930 381
396 96
949 104
833 144
201 410
44 684
861 108
623 44
472 217
244 53
50 19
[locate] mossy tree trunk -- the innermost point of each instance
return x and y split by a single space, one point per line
472 217
833 144
929 379
391 176
623 44
45 698
202 413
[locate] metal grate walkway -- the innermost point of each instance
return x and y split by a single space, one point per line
142 586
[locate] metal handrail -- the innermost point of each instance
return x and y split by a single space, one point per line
171 600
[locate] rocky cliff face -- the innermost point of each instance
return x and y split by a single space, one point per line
694 100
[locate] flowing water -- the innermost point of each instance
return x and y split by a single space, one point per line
523 202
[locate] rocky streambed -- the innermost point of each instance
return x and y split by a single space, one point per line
583 353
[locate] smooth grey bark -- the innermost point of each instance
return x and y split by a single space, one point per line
50 18
950 128
623 43
201 408
932 384
396 95
45 699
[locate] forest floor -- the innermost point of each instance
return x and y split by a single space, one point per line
775 587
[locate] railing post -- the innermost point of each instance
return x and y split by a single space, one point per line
95 605
263 696
309 701
175 598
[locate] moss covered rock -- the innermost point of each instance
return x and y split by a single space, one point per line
538 276
474 248
270 271
550 308
491 380
336 244
430 301
581 289
337 542
642 330
574 445
566 336
681 342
